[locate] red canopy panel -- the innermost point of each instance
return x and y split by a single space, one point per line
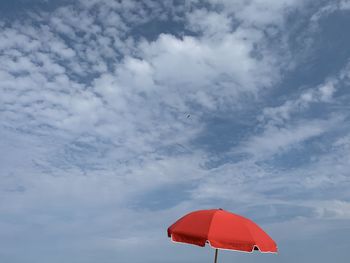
223 230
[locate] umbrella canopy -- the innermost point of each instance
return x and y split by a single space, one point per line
222 230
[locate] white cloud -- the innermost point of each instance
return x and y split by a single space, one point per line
221 70
334 209
212 24
259 13
280 131
333 6
280 114
275 140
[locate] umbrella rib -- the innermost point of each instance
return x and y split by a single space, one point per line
210 226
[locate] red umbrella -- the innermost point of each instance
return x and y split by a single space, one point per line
222 230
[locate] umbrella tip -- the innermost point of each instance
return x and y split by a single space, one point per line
220 208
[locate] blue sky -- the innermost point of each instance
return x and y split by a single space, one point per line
118 117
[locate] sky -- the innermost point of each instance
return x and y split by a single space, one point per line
119 117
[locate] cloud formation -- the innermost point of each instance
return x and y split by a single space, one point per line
137 112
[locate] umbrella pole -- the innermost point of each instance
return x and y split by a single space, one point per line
216 256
